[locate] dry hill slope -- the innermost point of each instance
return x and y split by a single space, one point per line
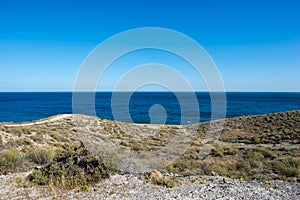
263 147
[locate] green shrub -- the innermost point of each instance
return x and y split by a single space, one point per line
37 138
157 178
56 135
16 131
135 146
268 153
19 130
20 142
217 152
244 166
222 150
84 188
72 168
221 169
166 182
26 130
39 177
256 140
181 165
288 167
11 160
41 155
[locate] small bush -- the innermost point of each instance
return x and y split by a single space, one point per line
57 136
37 138
166 182
221 150
26 130
11 160
41 155
19 131
217 152
73 168
221 169
288 167
256 140
135 146
84 188
16 131
267 153
181 165
157 178
20 142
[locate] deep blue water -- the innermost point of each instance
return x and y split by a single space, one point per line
18 107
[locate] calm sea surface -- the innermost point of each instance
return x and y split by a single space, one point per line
19 106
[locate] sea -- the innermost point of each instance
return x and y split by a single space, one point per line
146 107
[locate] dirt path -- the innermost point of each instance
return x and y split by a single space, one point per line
52 119
256 145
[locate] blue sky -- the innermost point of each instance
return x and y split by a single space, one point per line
255 44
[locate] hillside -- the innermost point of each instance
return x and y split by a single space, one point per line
263 147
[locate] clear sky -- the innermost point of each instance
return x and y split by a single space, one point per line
255 44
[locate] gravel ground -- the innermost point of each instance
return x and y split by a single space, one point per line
131 187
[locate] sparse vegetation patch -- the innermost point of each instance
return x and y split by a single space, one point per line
74 167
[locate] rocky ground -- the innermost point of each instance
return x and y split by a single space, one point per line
132 187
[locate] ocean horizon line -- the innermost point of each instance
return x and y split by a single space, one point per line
154 91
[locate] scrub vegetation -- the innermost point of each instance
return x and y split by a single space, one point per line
77 151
